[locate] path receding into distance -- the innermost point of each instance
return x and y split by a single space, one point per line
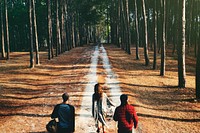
84 121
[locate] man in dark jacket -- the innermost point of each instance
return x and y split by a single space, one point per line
65 114
126 116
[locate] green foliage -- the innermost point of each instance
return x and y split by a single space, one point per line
18 19
18 22
91 11
41 14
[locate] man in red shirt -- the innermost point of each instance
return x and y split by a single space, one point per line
126 116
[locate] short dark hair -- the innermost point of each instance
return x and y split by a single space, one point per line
65 96
124 98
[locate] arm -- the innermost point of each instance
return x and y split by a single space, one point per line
115 117
135 118
93 105
55 112
109 102
73 117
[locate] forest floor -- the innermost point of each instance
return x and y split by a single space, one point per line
28 96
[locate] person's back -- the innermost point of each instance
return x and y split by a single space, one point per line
66 116
126 116
100 102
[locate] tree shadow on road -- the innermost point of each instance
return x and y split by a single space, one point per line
168 118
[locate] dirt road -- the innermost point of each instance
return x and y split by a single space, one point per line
27 96
85 122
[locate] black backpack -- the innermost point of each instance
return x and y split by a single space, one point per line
52 126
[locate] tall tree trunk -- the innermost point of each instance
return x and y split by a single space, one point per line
124 29
7 31
108 30
146 35
128 28
159 24
113 21
118 23
63 25
80 27
198 70
189 33
77 39
68 21
155 36
137 31
176 25
167 18
181 46
36 34
49 40
162 68
196 27
31 35
2 34
73 31
58 38
122 26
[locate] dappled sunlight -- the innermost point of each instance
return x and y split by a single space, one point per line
27 96
157 98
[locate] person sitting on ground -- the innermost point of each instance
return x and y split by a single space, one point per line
65 114
100 104
126 116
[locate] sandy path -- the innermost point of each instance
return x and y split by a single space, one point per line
85 122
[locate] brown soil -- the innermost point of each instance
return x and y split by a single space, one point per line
27 96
